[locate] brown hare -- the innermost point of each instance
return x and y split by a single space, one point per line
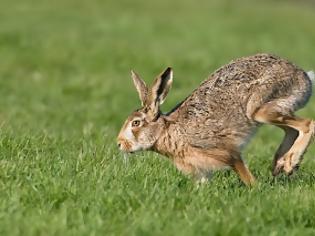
208 130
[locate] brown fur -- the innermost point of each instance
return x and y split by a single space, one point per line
209 128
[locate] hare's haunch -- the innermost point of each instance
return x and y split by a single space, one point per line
208 130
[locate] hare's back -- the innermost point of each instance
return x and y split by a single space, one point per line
252 70
224 96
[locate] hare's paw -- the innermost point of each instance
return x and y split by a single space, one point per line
294 157
202 178
278 166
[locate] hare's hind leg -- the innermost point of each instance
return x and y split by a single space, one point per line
306 132
299 132
287 142
213 159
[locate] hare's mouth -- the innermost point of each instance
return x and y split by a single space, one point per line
127 150
130 147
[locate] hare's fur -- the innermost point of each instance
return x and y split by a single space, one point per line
209 128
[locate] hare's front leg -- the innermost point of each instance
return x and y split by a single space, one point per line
202 177
242 170
186 167
202 162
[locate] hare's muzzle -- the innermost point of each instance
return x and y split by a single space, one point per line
124 145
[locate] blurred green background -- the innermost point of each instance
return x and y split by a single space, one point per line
65 90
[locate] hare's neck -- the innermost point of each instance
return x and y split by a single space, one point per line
169 142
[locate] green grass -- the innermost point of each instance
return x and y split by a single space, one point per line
65 90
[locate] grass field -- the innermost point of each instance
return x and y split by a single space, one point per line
65 90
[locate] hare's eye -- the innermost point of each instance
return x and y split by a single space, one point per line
135 123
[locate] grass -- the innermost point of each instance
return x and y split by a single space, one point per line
65 91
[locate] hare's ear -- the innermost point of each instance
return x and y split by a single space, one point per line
140 86
161 86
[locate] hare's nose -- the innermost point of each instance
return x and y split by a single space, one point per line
119 145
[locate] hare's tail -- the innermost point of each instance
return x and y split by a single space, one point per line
311 75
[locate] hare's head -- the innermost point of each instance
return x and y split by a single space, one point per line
143 127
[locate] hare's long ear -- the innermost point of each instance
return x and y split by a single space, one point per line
141 87
161 86
159 91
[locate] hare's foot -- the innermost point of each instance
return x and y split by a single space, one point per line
288 140
202 178
298 135
293 158
278 166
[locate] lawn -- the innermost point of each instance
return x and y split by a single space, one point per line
65 90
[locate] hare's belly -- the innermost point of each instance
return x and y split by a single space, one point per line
198 161
195 165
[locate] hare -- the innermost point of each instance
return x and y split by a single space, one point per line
208 130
